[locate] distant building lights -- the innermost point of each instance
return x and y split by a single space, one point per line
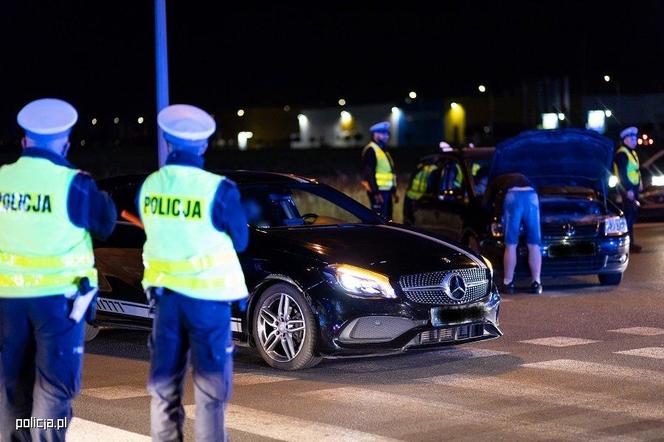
116 120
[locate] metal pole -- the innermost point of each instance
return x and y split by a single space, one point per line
161 55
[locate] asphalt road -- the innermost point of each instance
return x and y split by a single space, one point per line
578 362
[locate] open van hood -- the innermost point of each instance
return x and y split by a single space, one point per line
563 157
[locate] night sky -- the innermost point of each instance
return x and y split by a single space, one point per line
100 54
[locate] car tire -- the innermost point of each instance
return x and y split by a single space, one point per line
90 332
610 278
280 311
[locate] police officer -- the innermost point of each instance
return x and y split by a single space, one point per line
378 176
626 168
48 212
194 226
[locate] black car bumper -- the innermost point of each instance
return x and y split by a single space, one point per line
355 327
564 257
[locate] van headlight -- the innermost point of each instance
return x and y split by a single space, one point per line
613 181
657 180
362 283
615 225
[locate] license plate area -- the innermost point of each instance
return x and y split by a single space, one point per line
571 250
446 316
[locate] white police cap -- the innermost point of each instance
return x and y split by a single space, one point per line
185 122
383 126
630 131
47 117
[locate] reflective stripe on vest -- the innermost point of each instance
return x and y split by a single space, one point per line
385 176
183 251
633 171
41 251
420 182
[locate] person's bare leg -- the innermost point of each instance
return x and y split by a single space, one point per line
509 263
535 262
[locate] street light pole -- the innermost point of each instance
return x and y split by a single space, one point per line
161 58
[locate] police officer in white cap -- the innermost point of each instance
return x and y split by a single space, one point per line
626 167
379 178
48 212
195 225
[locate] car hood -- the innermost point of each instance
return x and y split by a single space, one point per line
564 157
389 249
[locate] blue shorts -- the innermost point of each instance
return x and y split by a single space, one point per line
521 206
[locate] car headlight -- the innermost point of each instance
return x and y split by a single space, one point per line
615 225
488 264
613 181
497 230
658 180
362 282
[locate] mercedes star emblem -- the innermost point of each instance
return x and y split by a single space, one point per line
454 286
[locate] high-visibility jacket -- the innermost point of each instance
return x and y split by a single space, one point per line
386 179
633 171
183 250
420 182
41 251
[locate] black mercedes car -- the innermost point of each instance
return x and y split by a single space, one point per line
327 277
583 232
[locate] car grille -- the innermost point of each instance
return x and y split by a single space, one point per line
466 331
425 288
564 230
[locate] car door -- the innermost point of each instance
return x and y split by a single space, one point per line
451 199
425 212
119 258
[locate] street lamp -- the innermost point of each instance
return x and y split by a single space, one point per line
607 78
240 112
412 95
481 88
341 102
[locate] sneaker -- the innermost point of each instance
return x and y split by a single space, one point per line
635 248
536 288
510 289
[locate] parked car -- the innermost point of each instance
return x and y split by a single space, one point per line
652 196
327 277
583 232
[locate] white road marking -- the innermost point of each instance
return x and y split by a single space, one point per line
256 379
287 428
640 331
433 412
559 341
647 352
81 430
615 372
116 392
550 395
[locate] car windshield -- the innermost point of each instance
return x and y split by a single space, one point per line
302 205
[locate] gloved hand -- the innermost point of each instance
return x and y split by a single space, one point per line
242 304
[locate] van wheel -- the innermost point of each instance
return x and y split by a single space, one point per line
285 329
610 278
91 332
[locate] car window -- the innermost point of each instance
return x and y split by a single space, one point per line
452 178
301 206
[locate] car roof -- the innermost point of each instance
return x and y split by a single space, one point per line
466 153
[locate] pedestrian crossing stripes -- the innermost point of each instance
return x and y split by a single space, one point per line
609 371
559 341
640 331
116 392
287 428
81 430
647 352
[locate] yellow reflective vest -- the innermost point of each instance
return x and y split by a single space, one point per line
41 251
633 171
183 251
386 179
420 182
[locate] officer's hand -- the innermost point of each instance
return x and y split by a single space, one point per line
242 304
379 198
396 197
630 195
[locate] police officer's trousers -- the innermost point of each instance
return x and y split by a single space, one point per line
41 351
188 328
383 209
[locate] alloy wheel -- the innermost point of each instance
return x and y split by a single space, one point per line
281 327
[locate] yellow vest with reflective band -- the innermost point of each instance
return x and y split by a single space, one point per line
418 186
183 251
386 179
633 171
41 251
